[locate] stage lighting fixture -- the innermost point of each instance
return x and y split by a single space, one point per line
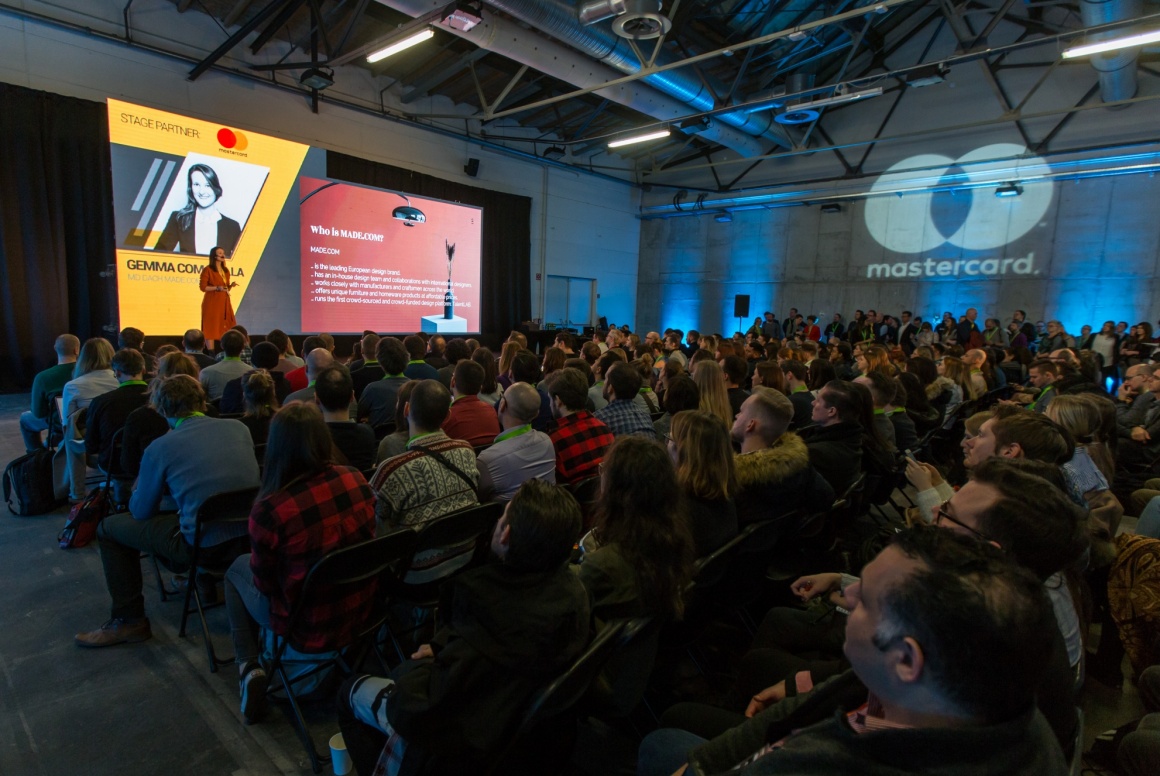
409 215
317 78
928 75
463 16
629 140
1009 190
411 40
555 152
1099 47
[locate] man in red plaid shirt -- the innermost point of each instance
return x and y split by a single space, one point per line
580 439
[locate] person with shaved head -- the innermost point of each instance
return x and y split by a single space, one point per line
519 453
317 360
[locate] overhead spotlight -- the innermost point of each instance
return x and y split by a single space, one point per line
1011 189
1128 41
928 75
699 124
724 217
630 139
555 152
409 215
411 40
462 16
317 78
797 35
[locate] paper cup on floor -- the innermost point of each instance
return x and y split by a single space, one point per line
339 757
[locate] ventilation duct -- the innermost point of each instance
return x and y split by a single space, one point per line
642 20
511 40
1117 69
796 110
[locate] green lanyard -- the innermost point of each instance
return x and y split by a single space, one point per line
177 425
134 382
800 389
514 432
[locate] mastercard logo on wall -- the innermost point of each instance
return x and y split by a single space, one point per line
232 140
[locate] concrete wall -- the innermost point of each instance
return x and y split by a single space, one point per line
581 225
1093 255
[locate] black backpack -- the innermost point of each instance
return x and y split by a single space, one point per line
28 484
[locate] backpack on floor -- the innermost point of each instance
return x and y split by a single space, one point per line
83 519
28 484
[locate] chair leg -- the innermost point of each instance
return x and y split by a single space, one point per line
214 660
316 760
164 591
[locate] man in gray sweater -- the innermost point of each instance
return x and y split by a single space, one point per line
198 458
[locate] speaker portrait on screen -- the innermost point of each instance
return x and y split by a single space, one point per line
208 205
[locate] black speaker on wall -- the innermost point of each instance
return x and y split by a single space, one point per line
741 306
472 167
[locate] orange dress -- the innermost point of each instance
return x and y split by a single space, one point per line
217 311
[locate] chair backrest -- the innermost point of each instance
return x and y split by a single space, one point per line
713 566
229 507
567 690
364 563
384 430
587 493
479 449
458 527
116 444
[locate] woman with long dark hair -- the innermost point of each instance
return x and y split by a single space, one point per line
261 404
200 226
307 508
490 393
703 455
639 557
217 311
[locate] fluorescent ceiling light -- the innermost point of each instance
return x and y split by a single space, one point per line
657 135
1009 190
838 99
1139 39
411 40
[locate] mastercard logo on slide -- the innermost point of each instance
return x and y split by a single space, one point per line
232 139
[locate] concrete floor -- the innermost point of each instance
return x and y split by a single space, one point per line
151 708
154 708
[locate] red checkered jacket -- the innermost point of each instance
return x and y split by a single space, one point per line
581 442
292 530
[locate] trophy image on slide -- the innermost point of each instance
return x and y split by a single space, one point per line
448 322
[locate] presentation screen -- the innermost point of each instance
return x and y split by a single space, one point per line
306 254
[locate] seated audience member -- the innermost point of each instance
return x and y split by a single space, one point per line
525 368
710 382
259 403
600 371
193 345
507 356
109 411
622 415
881 390
316 361
919 410
918 697
359 356
334 392
133 338
835 444
736 373
470 419
1138 417
48 382
490 391
297 377
681 394
370 370
519 453
457 350
1042 375
265 356
510 628
376 405
905 430
646 398
308 507
214 378
200 457
797 387
774 474
436 350
287 361
641 559
145 424
92 375
395 443
580 440
435 476
701 452
768 374
417 367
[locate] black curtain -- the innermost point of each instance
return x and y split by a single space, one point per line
506 292
56 228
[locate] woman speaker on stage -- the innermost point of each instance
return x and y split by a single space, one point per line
217 312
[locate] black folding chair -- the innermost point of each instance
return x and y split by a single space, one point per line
342 571
532 749
474 524
384 430
587 493
221 509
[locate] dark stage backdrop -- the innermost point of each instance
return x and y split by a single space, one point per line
56 228
57 231
506 290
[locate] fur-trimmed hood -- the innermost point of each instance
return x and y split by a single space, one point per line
940 384
785 458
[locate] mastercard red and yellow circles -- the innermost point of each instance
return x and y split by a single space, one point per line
233 139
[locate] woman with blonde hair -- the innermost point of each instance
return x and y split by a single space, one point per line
506 357
874 358
953 367
710 382
92 375
701 450
1083 416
